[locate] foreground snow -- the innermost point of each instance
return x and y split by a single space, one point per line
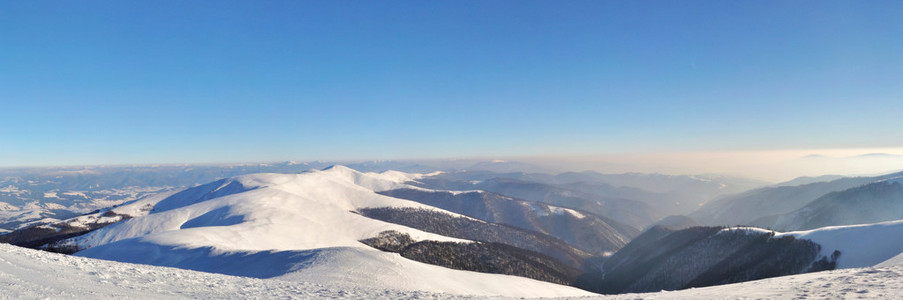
30 274
879 283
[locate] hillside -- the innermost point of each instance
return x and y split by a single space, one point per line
634 213
706 256
304 227
30 273
875 202
586 231
747 207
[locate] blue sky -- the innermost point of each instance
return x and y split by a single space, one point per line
114 82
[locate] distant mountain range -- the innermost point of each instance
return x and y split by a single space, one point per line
871 203
843 201
450 231
44 195
298 226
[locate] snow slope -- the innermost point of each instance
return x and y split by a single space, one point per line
293 226
860 245
32 274
858 283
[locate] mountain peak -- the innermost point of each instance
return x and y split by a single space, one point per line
339 168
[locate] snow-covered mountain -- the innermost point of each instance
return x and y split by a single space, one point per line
397 231
634 213
49 231
706 256
27 273
586 231
862 245
302 227
664 194
44 195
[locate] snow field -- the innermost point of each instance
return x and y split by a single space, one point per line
299 227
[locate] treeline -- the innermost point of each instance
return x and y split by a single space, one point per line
493 258
470 229
662 259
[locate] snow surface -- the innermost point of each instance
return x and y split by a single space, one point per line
7 207
862 245
299 227
859 245
894 261
858 283
32 274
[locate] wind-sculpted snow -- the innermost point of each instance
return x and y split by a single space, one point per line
297 227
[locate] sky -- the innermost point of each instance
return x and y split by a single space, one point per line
128 82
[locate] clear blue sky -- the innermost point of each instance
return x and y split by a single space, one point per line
97 82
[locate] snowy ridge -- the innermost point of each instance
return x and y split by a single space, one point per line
293 226
746 230
860 245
